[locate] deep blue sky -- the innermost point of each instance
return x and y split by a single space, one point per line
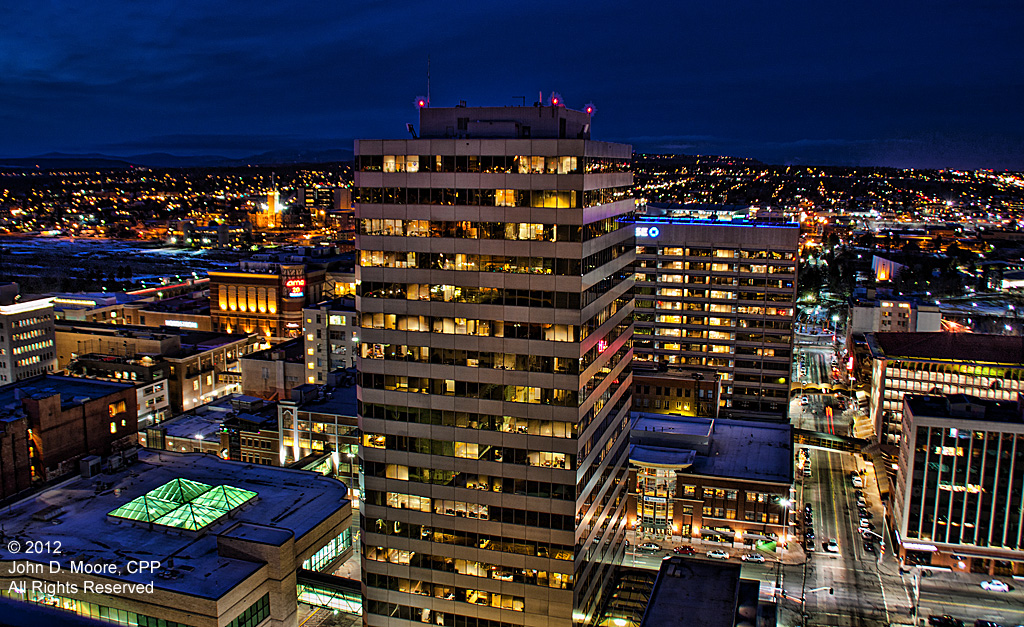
903 82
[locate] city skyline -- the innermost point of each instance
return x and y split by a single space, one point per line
914 85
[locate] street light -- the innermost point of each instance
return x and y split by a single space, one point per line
786 503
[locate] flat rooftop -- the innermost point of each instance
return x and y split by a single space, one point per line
290 350
73 390
191 342
963 347
661 456
205 424
675 425
207 420
341 303
291 502
692 592
963 407
340 401
739 449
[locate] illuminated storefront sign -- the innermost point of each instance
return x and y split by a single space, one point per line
184 324
295 288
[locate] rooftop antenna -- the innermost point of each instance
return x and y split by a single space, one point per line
428 80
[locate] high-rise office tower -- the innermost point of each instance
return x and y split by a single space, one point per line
495 300
720 295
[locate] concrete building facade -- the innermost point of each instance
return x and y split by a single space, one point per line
495 298
721 296
26 338
200 365
331 335
887 315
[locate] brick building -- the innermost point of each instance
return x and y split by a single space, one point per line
49 422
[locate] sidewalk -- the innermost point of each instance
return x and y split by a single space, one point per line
793 554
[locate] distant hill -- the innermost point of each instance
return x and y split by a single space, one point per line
64 161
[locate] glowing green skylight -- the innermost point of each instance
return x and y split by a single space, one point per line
190 516
146 508
224 497
180 490
185 504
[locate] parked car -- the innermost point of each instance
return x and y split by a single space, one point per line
945 621
718 554
649 546
869 547
858 482
684 550
994 585
986 623
753 557
809 534
832 546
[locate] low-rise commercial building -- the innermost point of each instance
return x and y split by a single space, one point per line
715 479
715 592
236 427
219 542
318 420
48 423
200 365
272 373
149 377
957 501
676 392
250 433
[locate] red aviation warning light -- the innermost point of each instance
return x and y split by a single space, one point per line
556 99
421 102
589 108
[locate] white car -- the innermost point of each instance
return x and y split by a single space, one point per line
718 554
994 585
757 558
832 546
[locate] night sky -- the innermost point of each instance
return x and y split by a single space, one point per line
903 82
